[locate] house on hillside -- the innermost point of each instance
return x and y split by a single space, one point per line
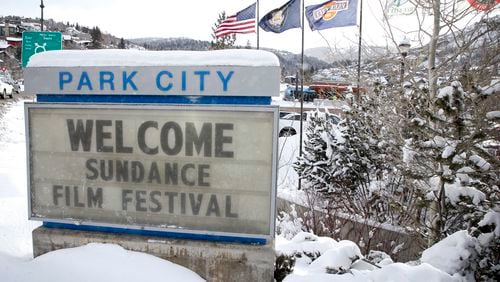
30 26
14 41
9 30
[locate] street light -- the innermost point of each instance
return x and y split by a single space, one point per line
404 47
41 8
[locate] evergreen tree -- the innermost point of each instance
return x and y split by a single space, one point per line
121 44
222 42
365 181
96 37
312 166
450 156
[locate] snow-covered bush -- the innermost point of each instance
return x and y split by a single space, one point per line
343 261
288 223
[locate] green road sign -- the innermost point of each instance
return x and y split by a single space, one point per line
39 41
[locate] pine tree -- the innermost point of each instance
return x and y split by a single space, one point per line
222 42
312 166
96 37
121 44
360 160
449 141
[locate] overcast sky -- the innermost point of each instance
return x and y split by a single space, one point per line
195 18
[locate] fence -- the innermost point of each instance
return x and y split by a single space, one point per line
394 241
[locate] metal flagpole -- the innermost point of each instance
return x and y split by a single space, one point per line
358 98
257 24
301 89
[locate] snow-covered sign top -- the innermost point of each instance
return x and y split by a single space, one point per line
230 73
99 58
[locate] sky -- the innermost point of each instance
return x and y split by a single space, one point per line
195 19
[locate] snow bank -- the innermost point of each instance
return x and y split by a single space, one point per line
15 229
345 259
94 262
100 58
338 259
451 254
304 242
400 272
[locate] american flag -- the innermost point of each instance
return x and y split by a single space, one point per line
242 22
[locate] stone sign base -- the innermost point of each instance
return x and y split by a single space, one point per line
212 261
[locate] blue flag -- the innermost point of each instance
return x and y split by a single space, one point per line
282 18
333 13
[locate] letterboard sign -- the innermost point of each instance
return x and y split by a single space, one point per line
116 154
195 169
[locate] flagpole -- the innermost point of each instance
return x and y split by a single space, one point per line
359 48
257 23
301 89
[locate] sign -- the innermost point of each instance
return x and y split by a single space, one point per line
154 80
483 5
35 42
189 169
401 7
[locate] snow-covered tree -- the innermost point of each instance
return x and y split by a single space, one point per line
121 44
313 166
96 37
451 159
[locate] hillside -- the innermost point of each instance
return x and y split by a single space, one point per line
289 62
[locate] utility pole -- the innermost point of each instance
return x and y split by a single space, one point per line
41 8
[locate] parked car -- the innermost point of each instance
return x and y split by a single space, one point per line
291 94
289 123
6 89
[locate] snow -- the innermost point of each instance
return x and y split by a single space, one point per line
456 190
4 44
94 262
338 259
448 151
493 88
445 92
304 243
492 217
451 254
493 115
345 257
15 229
480 162
110 57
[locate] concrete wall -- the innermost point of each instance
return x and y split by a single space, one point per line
212 261
400 245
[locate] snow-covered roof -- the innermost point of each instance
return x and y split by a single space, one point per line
115 57
4 44
15 39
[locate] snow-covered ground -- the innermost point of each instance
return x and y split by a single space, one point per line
334 261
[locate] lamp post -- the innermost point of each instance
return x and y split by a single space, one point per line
404 47
41 19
